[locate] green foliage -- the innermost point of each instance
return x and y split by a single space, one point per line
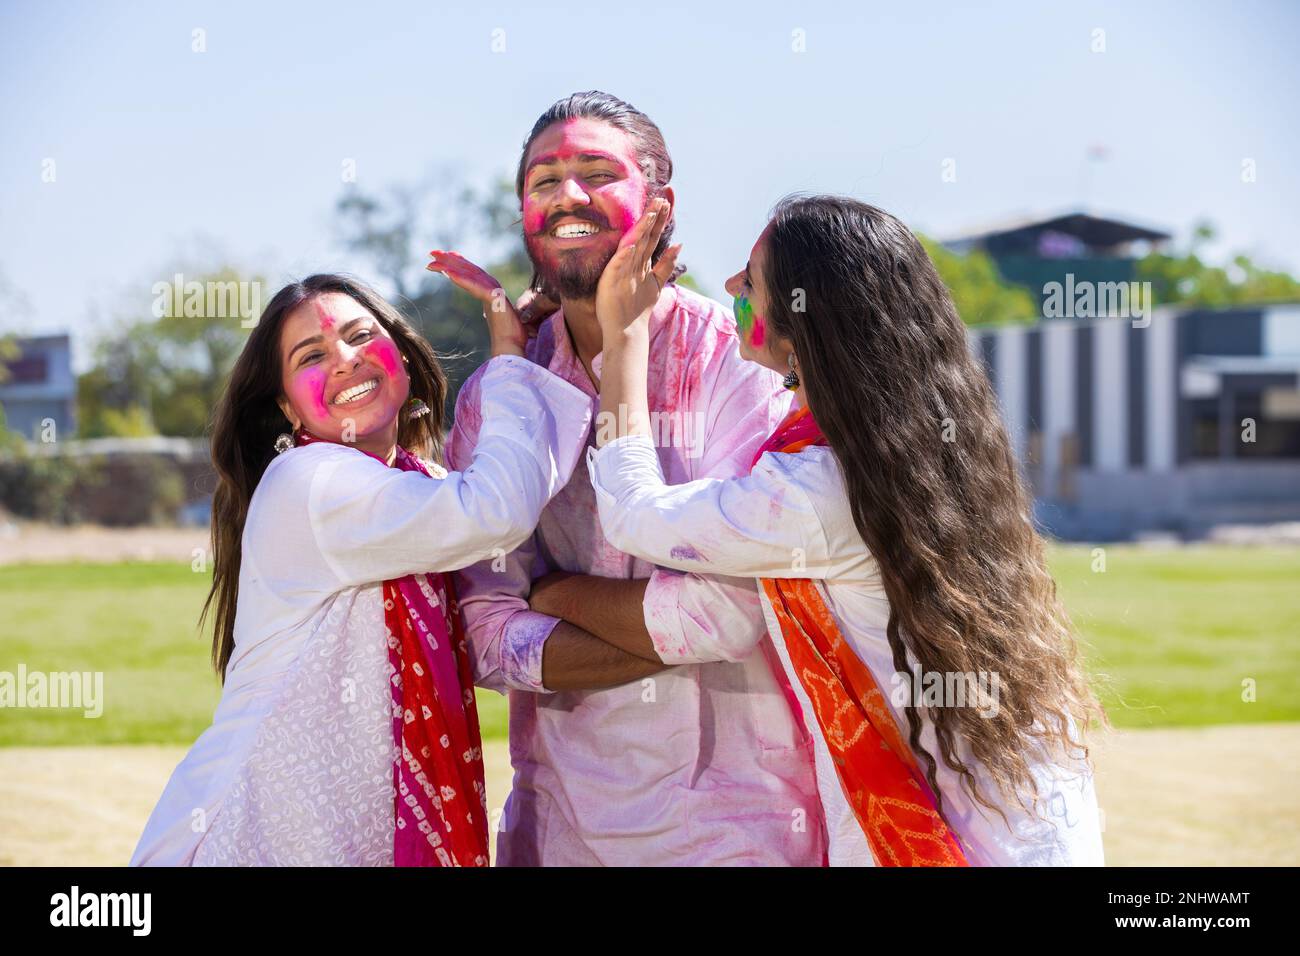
1184 277
396 231
50 488
979 292
162 375
8 352
687 281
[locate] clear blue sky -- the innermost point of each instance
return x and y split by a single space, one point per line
164 155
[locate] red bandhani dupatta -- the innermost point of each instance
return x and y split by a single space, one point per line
880 776
440 807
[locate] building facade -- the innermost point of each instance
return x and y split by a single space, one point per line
1180 421
39 388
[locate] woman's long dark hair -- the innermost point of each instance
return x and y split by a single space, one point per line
248 419
932 481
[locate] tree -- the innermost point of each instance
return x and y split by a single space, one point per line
397 230
162 375
979 292
12 302
1185 278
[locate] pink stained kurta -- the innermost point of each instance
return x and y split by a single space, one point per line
701 764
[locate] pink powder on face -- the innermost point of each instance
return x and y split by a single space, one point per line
385 352
625 203
324 313
760 332
619 203
534 215
307 392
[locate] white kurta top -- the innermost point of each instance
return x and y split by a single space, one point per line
297 767
790 518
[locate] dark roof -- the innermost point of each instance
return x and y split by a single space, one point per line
1091 230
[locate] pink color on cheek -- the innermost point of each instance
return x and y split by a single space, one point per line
534 217
760 332
307 389
621 203
384 351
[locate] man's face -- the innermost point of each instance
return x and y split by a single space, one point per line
583 189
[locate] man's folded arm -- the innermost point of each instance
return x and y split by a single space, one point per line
670 617
511 646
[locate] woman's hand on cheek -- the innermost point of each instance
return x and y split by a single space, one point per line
630 285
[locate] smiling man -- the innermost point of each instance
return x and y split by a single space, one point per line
618 760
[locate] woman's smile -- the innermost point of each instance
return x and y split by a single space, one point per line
357 395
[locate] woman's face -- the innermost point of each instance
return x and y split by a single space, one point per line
342 375
749 287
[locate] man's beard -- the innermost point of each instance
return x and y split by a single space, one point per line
568 275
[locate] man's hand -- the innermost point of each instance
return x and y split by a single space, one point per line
534 308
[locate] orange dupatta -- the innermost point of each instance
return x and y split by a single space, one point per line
881 779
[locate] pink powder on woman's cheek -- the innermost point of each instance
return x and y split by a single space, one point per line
385 352
760 332
307 391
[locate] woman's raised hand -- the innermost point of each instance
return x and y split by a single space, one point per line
506 330
630 285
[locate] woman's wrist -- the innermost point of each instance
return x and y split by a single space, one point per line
505 348
626 337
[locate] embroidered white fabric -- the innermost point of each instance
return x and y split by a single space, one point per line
316 788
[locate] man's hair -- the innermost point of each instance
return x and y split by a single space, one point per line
647 140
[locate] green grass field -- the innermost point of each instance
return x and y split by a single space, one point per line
1172 634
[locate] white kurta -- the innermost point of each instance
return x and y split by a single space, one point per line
297 767
790 518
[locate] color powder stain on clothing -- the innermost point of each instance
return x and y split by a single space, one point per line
684 552
775 507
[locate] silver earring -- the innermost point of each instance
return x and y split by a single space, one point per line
283 442
416 408
791 380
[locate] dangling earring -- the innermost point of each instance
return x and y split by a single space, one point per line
283 442
415 408
791 380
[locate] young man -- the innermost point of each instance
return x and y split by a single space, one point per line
618 760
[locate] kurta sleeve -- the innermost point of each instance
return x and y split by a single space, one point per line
697 618
761 525
373 523
505 636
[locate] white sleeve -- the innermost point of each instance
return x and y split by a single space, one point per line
763 525
373 523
